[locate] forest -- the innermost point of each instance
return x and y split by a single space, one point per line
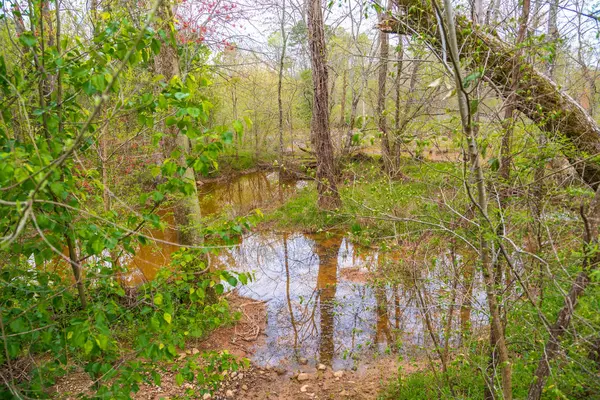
300 199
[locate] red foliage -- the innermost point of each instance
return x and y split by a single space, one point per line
205 21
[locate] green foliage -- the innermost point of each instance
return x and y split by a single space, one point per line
123 338
56 106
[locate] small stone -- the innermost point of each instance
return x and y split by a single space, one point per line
195 351
338 374
229 393
240 376
303 361
233 374
279 370
304 388
261 372
206 396
303 377
244 387
344 393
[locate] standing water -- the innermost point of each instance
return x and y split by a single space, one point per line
322 303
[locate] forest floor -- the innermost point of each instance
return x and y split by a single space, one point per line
255 382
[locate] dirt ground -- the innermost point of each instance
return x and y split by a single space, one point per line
254 382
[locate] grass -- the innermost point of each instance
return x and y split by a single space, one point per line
371 200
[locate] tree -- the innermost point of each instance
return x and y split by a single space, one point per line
329 198
176 145
541 100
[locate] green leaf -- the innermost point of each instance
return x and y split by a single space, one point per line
167 317
102 341
158 299
193 111
88 347
238 127
28 39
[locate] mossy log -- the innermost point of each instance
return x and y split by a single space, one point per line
539 98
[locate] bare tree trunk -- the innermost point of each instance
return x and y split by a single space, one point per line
384 51
343 98
329 198
187 209
397 140
280 81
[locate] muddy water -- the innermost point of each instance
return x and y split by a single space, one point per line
239 196
323 303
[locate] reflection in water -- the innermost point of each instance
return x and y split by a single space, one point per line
238 196
321 304
245 193
327 250
318 307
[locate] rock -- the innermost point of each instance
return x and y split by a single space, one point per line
233 374
244 387
261 372
303 376
280 370
344 393
206 396
195 351
240 376
338 374
322 367
303 361
229 394
304 388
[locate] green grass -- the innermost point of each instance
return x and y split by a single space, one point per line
369 199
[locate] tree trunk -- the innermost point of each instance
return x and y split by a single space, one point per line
343 98
329 198
554 111
187 212
384 51
280 81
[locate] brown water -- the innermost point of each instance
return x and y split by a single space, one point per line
322 302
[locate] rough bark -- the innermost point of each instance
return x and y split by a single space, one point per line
384 51
186 209
540 99
329 198
280 79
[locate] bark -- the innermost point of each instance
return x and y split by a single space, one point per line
280 80
384 51
329 198
590 263
186 209
343 98
540 99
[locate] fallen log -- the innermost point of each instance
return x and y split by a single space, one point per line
540 99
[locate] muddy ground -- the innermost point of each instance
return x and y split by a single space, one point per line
255 382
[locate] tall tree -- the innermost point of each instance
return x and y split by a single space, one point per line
187 213
329 197
384 51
